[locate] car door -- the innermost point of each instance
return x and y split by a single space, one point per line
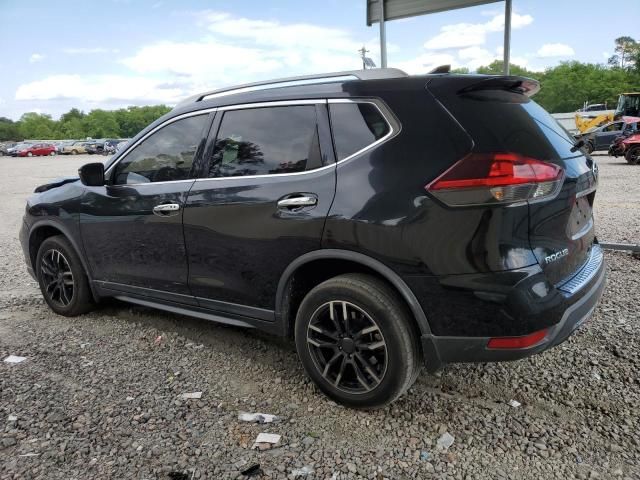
261 203
608 135
132 227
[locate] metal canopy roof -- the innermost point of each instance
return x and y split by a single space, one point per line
394 9
381 11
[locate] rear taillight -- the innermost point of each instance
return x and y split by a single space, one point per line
496 178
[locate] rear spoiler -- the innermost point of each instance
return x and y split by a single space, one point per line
523 85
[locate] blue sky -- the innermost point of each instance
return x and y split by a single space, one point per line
114 53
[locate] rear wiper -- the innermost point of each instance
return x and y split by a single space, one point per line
578 145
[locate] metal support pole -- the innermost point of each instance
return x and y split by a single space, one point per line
383 37
507 36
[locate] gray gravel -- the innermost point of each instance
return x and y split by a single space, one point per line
99 396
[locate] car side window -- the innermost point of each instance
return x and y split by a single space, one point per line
355 126
165 156
266 141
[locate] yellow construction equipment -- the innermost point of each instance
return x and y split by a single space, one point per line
628 106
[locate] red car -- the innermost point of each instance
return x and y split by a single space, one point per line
38 149
631 149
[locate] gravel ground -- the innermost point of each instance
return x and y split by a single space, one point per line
99 396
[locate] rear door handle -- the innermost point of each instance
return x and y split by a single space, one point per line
166 209
298 202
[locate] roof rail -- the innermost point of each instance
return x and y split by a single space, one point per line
372 74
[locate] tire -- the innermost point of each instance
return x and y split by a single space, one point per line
387 356
589 147
29 154
52 154
62 279
633 155
74 152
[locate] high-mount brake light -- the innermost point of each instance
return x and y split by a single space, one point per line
496 178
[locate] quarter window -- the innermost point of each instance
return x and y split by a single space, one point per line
266 141
356 126
165 156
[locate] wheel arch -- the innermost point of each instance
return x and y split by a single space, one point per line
367 264
44 229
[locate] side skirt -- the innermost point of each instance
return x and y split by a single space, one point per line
186 307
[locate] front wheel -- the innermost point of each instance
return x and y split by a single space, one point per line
633 155
52 153
63 282
29 154
356 341
589 147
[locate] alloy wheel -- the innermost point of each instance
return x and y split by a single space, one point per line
57 277
347 347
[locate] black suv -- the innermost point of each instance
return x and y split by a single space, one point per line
384 221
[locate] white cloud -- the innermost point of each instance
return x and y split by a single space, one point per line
462 35
555 50
88 50
100 88
240 49
36 57
425 63
232 50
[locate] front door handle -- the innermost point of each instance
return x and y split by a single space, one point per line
298 202
166 209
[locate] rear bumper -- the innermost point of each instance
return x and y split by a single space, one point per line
439 350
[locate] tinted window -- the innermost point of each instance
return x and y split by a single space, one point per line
164 156
262 141
355 126
613 127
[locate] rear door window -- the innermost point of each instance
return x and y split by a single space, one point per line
266 141
355 127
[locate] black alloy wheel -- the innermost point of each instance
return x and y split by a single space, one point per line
347 346
62 278
58 277
357 341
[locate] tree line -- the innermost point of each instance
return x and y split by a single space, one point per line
98 123
564 88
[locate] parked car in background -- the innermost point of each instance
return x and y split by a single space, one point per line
630 148
94 148
4 148
601 138
110 146
75 148
383 221
38 149
121 145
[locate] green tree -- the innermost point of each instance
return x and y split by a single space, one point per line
496 68
627 51
101 124
9 130
133 119
568 86
37 126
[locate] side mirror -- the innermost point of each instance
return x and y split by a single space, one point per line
92 174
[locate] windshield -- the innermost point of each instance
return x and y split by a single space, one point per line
628 105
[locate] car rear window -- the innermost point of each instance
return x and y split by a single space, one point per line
507 122
356 126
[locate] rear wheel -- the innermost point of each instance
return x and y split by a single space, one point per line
52 153
63 282
74 152
633 155
356 342
29 154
